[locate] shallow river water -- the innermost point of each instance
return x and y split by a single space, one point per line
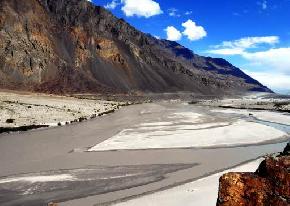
137 150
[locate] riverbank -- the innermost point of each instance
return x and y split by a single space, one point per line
251 101
200 192
26 111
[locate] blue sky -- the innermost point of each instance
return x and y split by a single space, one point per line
254 35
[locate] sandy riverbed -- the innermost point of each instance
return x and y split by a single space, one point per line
60 154
135 151
192 127
202 192
256 101
40 109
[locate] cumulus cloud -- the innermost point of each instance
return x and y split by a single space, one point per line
192 31
112 5
273 62
173 34
279 82
241 45
141 8
278 58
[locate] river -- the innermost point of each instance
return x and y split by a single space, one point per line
136 150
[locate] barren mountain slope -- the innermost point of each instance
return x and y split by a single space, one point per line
61 46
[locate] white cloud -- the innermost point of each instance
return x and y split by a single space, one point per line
279 82
192 31
227 51
241 45
141 8
112 5
173 34
273 62
173 12
278 59
250 42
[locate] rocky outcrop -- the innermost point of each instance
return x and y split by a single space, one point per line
73 46
268 186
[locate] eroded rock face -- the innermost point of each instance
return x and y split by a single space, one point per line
72 46
269 185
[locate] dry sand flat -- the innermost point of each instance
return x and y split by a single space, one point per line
270 116
204 135
189 129
40 109
261 101
35 154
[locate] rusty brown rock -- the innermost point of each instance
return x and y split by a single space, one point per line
268 186
52 204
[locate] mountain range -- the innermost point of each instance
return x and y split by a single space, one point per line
69 46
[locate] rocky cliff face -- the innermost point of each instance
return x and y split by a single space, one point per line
72 46
268 186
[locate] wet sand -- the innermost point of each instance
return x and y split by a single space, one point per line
202 192
65 148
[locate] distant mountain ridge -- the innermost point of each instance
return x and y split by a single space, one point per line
59 46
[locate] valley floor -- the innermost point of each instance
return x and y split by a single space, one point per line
27 110
154 149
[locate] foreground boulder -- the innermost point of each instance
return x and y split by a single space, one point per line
269 185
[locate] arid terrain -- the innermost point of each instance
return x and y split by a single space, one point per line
135 103
73 46
254 101
112 159
24 111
